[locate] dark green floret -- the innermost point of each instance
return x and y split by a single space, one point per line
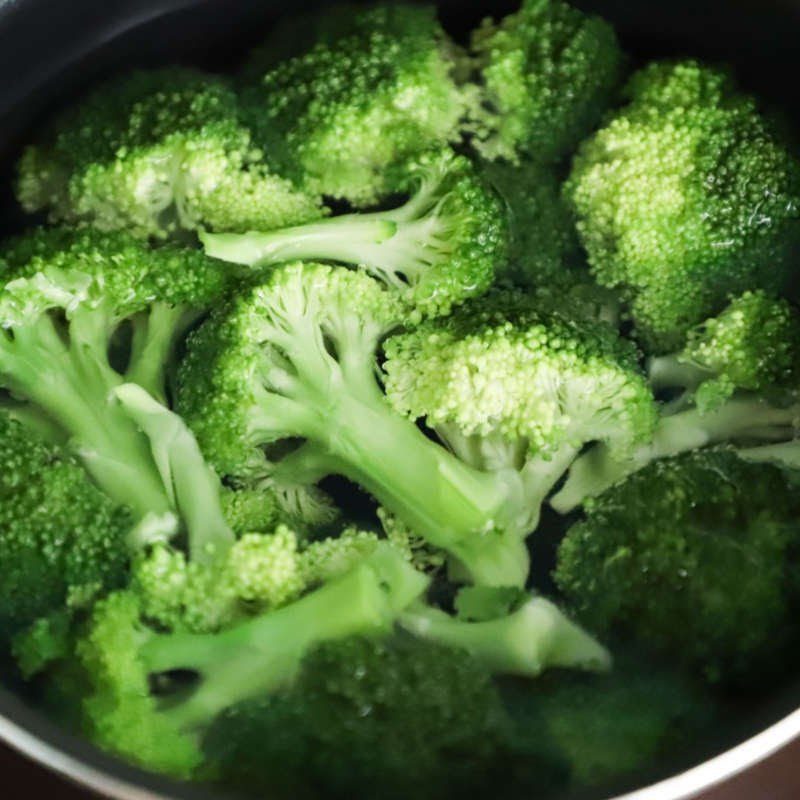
611 725
442 246
376 719
543 244
685 198
335 118
690 557
548 72
155 153
62 541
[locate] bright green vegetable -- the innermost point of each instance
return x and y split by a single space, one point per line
378 91
440 247
686 197
548 72
156 153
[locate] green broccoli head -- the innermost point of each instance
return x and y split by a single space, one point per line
157 152
703 539
518 379
370 719
685 198
62 541
69 298
751 345
336 117
442 246
257 573
548 73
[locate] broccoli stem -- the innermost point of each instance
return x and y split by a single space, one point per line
72 385
155 335
526 642
194 486
471 514
397 250
742 418
257 656
784 454
667 372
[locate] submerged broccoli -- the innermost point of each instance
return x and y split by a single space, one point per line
135 710
613 725
335 118
548 72
685 198
157 152
370 719
688 556
67 296
62 541
440 247
735 382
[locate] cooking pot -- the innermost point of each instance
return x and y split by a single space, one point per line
51 50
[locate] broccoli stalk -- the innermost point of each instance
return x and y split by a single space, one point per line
439 248
742 418
67 299
733 382
296 358
525 642
122 658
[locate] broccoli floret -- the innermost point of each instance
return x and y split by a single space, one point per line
543 244
137 711
685 198
734 382
62 541
67 297
611 725
335 118
753 344
702 539
374 719
154 153
510 385
548 72
258 572
439 248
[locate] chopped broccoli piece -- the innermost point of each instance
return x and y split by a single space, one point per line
735 382
548 72
440 247
611 725
685 198
512 387
336 118
66 298
689 556
124 658
154 153
753 344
